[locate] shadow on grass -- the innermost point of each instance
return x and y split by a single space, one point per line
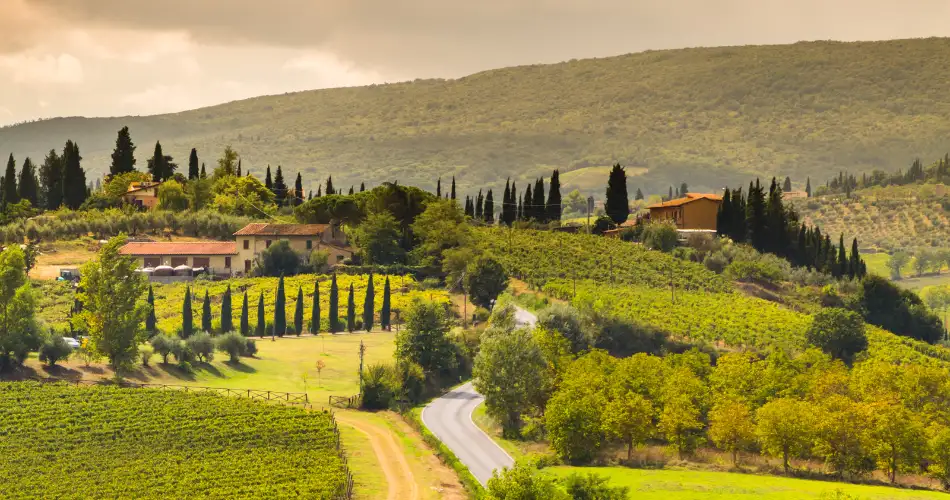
176 372
241 367
60 372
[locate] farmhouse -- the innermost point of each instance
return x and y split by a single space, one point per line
215 257
693 211
142 194
304 238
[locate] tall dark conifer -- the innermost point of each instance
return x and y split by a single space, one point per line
808 187
280 188
227 316
617 204
453 187
194 171
350 311
280 309
506 203
479 200
261 327
268 180
123 156
362 187
10 194
334 306
539 208
298 190
385 310
369 305
51 181
554 197
724 215
755 216
488 211
315 310
245 317
520 214
239 168
298 312
527 205
787 185
187 322
206 314
150 320
855 264
329 190
28 187
204 173
639 195
438 188
74 177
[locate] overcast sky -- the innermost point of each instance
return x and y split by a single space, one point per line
134 57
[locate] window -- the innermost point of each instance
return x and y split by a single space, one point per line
247 266
247 244
267 244
179 261
227 262
309 244
152 261
204 262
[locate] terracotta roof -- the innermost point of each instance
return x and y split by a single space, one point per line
689 198
262 229
141 186
181 248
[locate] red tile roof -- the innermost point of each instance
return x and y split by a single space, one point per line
689 198
263 229
181 248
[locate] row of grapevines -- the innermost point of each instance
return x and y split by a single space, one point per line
60 441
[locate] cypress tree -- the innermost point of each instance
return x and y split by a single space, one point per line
315 310
351 191
670 195
469 209
10 194
245 319
150 320
479 200
855 264
74 177
617 204
350 311
362 187
755 216
298 190
206 314
453 187
738 226
227 320
310 195
520 211
384 312
280 188
329 189
369 306
123 156
334 306
51 181
29 186
787 185
639 195
801 247
776 223
280 309
842 258
808 187
261 325
239 168
319 191
156 164
684 189
438 187
187 328
539 207
488 212
527 209
268 182
724 215
513 198
506 203
204 173
554 197
298 312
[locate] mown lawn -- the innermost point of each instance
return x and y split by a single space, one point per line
676 484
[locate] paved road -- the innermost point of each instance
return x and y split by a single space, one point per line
450 419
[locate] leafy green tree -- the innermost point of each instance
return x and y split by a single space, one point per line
440 227
19 332
784 428
523 481
227 163
661 236
171 196
206 314
574 421
123 156
509 370
378 237
298 312
681 415
566 321
245 319
315 310
593 487
242 196
28 187
193 172
896 262
227 321
425 339
369 306
386 310
838 332
150 319
280 309
731 427
187 324
198 193
279 259
841 435
261 327
113 309
939 456
350 311
896 439
53 350
334 306
10 194
617 204
629 419
485 279
73 178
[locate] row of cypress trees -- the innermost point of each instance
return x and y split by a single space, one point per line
279 325
58 181
531 205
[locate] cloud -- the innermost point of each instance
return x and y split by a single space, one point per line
43 69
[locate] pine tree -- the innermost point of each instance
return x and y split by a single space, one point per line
315 310
280 188
453 187
506 203
204 173
74 177
206 314
245 317
842 258
527 206
808 187
158 164
29 186
187 325
10 194
193 169
227 321
488 212
554 197
268 181
261 327
385 310
334 306
520 213
123 156
787 185
538 206
239 168
350 311
280 309
362 187
438 187
684 189
298 190
617 204
639 195
855 265
329 190
298 312
479 200
51 181
369 305
724 215
150 320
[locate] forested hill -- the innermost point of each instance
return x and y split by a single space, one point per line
709 116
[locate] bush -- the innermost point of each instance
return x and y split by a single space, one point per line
202 346
380 385
716 262
278 260
54 350
250 348
413 381
233 344
593 487
165 345
838 332
766 269
145 354
319 261
660 236
565 320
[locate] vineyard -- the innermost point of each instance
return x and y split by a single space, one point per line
540 256
61 441
56 297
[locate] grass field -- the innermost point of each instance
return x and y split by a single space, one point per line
697 485
877 264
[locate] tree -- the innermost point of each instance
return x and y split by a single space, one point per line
54 350
509 371
684 189
227 322
19 332
369 308
206 314
438 187
278 260
386 309
203 174
574 421
479 203
315 310
269 182
280 188
784 428
554 198
680 418
187 327
113 310
537 201
334 306
939 456
10 193
838 332
629 418
160 165
242 196
378 237
245 320
350 311
193 172
896 263
298 190
660 236
730 427
567 322
28 187
523 482
488 212
485 279
74 177
440 227
841 435
261 327
123 156
51 181
329 189
171 196
787 185
280 309
150 319
808 187
639 195
897 439
298 312
227 163
424 341
617 204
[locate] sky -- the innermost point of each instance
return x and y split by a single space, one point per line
141 57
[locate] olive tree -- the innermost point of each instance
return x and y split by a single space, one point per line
509 371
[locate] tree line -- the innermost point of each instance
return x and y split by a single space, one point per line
844 183
532 205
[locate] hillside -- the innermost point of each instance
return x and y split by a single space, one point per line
710 116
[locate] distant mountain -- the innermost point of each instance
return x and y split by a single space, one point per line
709 116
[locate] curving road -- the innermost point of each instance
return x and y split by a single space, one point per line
450 419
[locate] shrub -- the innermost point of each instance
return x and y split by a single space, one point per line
278 260
54 350
202 345
380 385
660 236
716 262
319 261
145 354
760 270
165 345
183 353
593 486
250 348
233 344
565 320
413 381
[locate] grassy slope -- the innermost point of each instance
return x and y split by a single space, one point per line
696 485
710 116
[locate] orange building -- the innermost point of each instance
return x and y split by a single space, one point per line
694 211
142 194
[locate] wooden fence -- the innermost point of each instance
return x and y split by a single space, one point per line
350 402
